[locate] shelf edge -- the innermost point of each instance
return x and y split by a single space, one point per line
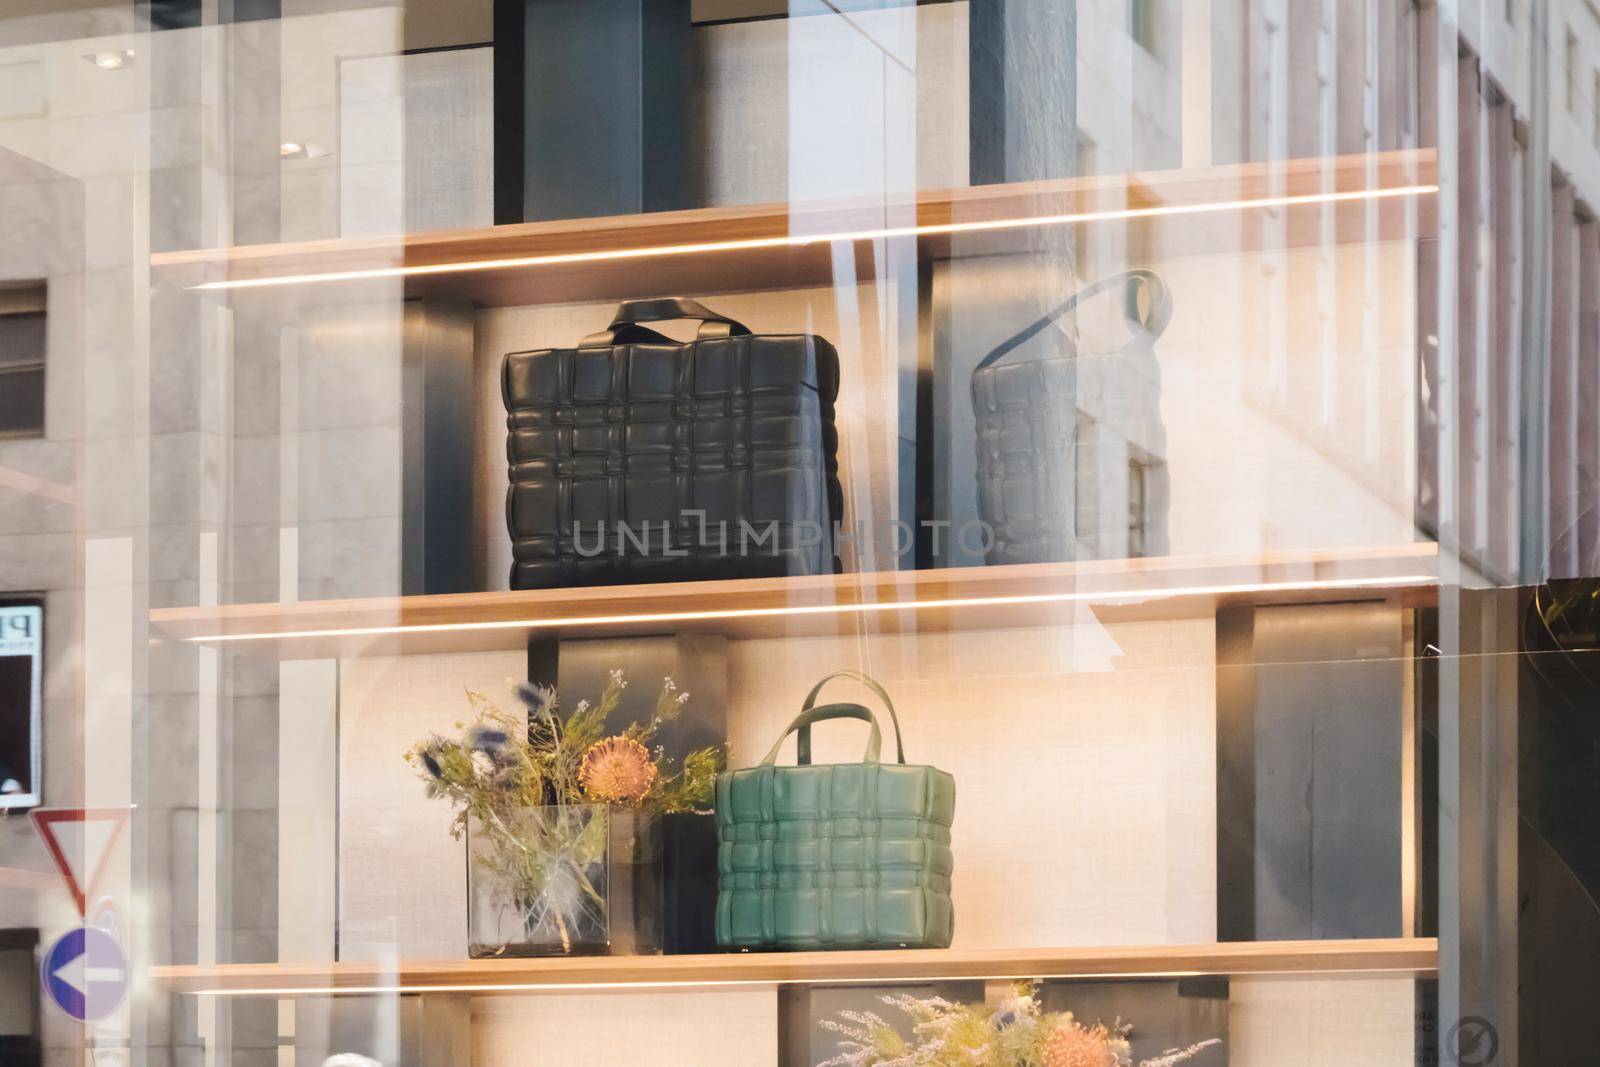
1396 956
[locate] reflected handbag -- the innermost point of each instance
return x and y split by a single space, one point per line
637 458
840 855
1027 417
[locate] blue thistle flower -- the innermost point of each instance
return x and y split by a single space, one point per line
487 738
535 696
431 762
492 742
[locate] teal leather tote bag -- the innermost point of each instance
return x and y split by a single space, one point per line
839 855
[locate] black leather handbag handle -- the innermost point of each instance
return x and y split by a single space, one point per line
1147 327
626 325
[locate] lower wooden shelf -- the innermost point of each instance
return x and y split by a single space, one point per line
1399 957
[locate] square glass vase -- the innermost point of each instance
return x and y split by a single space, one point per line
565 880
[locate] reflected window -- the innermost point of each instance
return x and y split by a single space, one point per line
22 360
1086 492
1572 71
1139 475
21 667
1144 26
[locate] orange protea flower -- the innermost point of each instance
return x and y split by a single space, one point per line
1073 1046
618 770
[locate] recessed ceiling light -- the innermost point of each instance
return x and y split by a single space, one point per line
115 59
297 150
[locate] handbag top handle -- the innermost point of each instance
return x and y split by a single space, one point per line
626 325
802 725
1147 327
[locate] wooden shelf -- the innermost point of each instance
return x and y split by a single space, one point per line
899 601
766 246
1397 956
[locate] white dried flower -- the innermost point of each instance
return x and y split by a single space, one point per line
1178 1055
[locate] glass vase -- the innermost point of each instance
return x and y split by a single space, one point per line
563 880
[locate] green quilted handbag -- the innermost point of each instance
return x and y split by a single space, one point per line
841 855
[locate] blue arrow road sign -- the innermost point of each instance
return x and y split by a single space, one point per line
85 973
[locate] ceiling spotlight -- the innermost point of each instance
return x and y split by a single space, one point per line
296 150
111 60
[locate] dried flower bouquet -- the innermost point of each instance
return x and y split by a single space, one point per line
532 791
1015 1034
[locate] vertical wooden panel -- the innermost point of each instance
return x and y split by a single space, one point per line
1588 399
1478 807
1310 720
1467 416
1351 76
436 421
1303 31
1563 413
1231 45
1505 273
1236 775
1395 74
1268 95
1428 267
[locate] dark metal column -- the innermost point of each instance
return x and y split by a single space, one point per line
591 107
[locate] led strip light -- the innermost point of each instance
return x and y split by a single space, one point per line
687 983
801 240
867 607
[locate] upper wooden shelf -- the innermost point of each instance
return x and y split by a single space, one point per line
1396 956
964 598
767 246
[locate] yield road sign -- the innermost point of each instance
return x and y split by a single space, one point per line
80 840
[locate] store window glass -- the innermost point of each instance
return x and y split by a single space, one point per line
798 532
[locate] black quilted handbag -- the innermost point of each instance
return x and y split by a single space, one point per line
1026 417
637 458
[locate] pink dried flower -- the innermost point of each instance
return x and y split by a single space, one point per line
1074 1046
618 770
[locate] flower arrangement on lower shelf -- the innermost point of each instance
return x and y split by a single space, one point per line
544 801
1015 1034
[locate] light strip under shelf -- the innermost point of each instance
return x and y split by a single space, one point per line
803 240
861 608
696 983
